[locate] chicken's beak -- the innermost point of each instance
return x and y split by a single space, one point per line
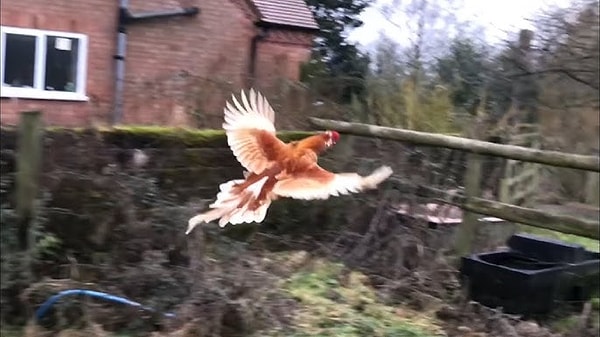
330 139
329 142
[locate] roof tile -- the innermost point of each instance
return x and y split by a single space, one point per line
286 12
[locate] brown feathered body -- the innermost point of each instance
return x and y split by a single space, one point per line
275 169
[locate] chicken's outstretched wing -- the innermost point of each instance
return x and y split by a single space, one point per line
250 131
318 183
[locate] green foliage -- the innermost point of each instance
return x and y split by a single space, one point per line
436 113
500 85
396 98
596 303
333 56
48 246
12 273
17 267
314 69
384 84
464 70
423 109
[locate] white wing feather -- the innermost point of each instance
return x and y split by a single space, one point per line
340 184
242 122
255 113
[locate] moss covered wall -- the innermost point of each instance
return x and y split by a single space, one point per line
91 190
188 163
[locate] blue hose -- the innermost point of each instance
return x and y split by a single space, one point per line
43 309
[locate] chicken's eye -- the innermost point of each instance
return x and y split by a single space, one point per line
334 136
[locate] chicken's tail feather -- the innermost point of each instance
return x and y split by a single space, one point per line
377 177
233 206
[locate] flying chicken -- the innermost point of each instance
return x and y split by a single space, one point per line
275 169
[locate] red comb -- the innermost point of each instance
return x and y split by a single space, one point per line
335 136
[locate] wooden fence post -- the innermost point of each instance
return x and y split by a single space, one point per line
467 230
29 158
592 187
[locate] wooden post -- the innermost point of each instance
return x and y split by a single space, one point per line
592 187
504 188
467 230
29 158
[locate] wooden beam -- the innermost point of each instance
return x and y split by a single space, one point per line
552 158
528 216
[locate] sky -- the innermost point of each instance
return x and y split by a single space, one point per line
496 16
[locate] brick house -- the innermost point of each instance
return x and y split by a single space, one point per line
144 61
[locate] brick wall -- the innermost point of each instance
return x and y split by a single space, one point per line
281 54
213 45
166 58
95 18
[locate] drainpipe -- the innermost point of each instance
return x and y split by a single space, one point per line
120 61
262 34
125 18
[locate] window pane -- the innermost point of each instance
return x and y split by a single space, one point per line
61 63
19 60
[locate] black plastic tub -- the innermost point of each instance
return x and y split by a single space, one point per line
533 276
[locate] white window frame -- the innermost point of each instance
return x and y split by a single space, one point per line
38 91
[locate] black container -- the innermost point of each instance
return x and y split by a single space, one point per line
534 275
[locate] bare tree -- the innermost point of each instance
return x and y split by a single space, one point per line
568 71
427 25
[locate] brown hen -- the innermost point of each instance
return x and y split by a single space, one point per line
275 169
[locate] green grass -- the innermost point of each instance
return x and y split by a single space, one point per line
589 244
11 332
330 309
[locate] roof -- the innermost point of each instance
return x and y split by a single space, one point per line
286 12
